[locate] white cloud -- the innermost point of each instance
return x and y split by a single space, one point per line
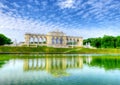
16 26
15 5
8 22
3 6
86 15
66 4
29 6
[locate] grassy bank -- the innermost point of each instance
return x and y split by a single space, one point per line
43 49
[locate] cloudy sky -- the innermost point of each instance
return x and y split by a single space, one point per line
86 18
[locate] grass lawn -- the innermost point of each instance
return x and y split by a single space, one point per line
44 49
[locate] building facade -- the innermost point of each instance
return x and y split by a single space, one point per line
53 39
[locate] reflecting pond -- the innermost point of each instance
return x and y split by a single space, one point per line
72 69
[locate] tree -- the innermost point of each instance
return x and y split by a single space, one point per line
104 42
108 42
118 41
4 40
97 42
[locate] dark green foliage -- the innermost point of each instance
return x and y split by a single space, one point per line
106 62
104 42
2 63
108 42
95 42
117 42
4 40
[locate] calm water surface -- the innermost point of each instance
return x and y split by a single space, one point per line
60 70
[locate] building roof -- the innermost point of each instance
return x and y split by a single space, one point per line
56 33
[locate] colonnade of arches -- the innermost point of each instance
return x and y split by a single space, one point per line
57 40
69 41
37 40
53 40
72 41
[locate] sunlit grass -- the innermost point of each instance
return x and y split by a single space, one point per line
44 49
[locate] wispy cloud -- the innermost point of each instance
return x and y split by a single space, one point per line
21 26
15 5
74 17
2 6
66 4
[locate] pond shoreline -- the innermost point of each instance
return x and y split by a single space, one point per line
41 53
34 53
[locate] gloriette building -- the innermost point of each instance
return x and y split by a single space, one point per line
53 39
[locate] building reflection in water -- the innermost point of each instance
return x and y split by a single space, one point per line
53 65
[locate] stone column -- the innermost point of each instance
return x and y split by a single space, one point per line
38 40
27 39
33 40
64 41
72 41
55 41
76 41
42 40
80 43
46 40
49 40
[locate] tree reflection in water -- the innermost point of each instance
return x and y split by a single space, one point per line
108 63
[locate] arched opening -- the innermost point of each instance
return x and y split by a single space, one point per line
77 41
40 40
68 41
57 40
74 42
35 40
31 40
44 40
61 40
53 40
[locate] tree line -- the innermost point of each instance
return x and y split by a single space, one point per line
104 42
4 40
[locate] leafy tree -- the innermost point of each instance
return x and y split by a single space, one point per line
118 41
104 42
108 42
4 40
97 42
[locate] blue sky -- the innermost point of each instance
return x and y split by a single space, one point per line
86 18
